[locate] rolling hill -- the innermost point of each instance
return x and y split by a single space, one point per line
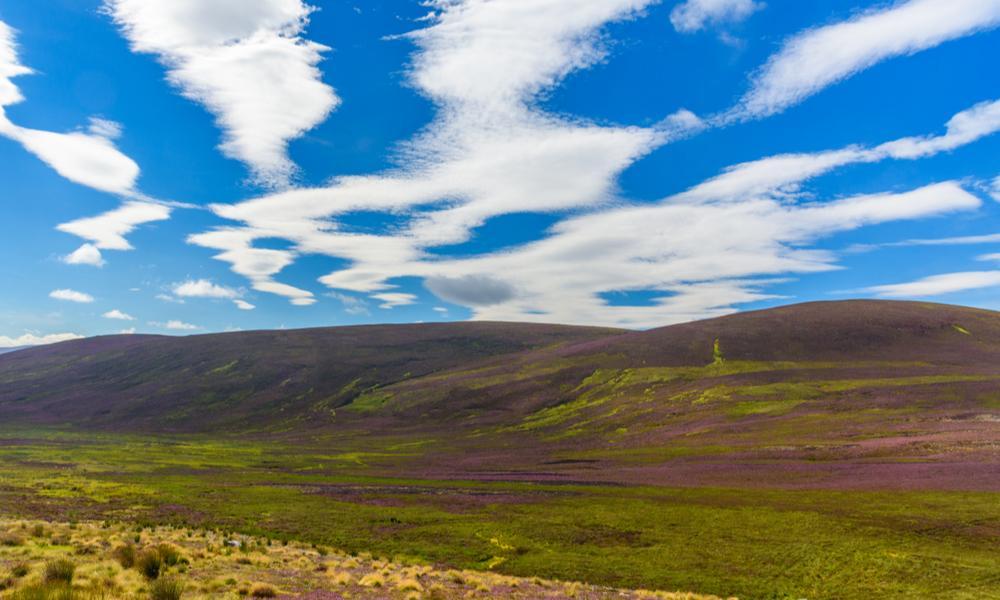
854 393
243 380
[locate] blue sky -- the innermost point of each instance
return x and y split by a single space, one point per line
190 167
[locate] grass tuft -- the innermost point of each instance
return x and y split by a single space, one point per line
60 571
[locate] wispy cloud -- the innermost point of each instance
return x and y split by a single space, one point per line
390 300
352 304
69 295
31 339
118 315
695 15
246 62
937 285
965 240
820 57
175 325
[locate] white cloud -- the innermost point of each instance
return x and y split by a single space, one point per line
243 305
71 296
989 257
87 254
88 158
203 288
118 315
175 325
817 58
936 285
967 126
694 15
247 62
31 339
491 151
129 331
84 158
107 231
391 300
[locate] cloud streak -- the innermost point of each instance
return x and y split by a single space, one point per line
817 58
937 285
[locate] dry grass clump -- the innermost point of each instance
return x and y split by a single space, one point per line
167 588
262 590
60 571
374 580
125 555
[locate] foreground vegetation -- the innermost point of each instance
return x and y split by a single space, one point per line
89 561
728 542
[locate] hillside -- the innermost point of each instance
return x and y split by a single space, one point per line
858 393
243 380
864 394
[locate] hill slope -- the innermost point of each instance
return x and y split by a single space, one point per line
856 393
243 380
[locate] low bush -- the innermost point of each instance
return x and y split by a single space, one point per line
11 539
20 570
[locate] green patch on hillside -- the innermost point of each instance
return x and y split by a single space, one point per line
370 401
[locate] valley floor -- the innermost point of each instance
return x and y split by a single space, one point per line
745 542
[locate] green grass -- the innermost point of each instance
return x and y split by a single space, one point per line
749 543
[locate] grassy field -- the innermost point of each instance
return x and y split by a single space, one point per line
749 543
107 561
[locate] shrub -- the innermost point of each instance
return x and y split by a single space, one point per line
11 539
59 571
149 564
263 591
38 531
167 588
125 555
20 570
